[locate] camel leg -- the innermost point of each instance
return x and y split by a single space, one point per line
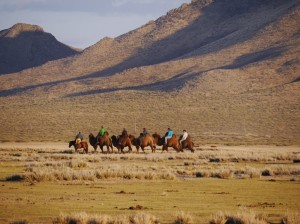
191 148
177 149
165 147
130 149
152 148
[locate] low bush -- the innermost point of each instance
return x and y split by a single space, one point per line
15 177
183 218
242 217
84 218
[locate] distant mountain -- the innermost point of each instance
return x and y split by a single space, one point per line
25 46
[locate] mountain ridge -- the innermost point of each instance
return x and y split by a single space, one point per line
25 46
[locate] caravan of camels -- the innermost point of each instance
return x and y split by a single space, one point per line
128 140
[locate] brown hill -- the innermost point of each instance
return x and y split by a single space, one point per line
24 46
224 70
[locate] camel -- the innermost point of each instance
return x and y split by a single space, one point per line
121 141
143 141
171 142
79 145
187 143
102 141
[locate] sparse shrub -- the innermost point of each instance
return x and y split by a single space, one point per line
202 174
168 176
219 218
79 218
291 218
183 218
77 164
19 222
142 218
149 176
253 172
214 160
84 218
15 177
266 172
242 217
223 174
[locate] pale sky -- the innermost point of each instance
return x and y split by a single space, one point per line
82 23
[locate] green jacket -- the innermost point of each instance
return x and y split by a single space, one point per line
102 131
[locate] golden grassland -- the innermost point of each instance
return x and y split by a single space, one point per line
52 184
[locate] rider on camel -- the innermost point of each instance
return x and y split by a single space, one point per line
184 136
79 137
102 131
168 135
145 131
124 132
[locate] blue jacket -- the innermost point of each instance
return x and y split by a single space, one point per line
170 133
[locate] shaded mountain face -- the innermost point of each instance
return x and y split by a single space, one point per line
24 46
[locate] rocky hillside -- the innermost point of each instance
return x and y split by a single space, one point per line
223 69
24 46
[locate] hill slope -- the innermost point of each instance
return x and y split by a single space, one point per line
227 71
24 46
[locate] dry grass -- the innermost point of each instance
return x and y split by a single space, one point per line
68 174
183 218
291 218
242 217
158 183
55 165
84 218
19 222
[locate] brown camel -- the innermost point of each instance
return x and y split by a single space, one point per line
143 141
102 141
81 145
135 141
171 142
187 143
121 141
